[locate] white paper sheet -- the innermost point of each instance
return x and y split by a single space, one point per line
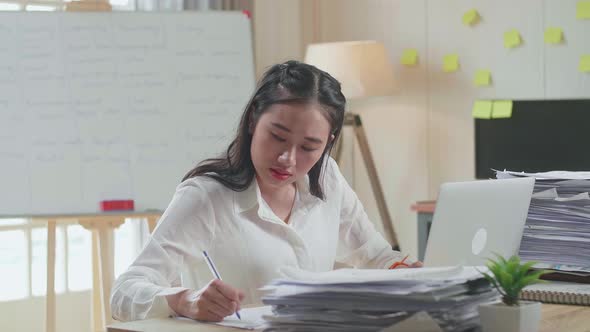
251 318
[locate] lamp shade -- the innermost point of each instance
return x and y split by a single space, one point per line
362 67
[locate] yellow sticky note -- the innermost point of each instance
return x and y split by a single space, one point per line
512 38
502 109
482 78
482 109
553 35
450 63
583 10
584 66
410 57
471 17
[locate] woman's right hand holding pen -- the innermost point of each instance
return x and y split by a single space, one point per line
212 303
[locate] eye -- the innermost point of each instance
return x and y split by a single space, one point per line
307 149
277 137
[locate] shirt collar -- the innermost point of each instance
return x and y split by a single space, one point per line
251 197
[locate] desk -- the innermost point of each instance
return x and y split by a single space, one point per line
554 318
102 226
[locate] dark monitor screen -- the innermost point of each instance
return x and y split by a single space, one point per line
541 136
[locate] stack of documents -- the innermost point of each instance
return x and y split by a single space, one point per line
371 300
557 231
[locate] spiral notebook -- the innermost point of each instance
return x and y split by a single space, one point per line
558 292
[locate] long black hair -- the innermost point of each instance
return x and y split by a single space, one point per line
289 82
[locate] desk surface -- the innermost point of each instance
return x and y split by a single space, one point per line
555 318
99 214
424 206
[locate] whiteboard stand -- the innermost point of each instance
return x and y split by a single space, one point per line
102 226
354 120
50 297
88 6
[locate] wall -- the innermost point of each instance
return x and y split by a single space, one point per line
395 126
534 70
423 135
278 32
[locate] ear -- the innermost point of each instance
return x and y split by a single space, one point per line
330 140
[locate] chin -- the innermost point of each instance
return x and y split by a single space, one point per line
270 180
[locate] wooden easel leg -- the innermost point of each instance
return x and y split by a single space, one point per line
102 267
98 324
105 244
152 222
374 179
50 298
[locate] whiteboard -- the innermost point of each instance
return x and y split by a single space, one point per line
97 106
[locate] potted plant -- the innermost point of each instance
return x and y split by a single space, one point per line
509 277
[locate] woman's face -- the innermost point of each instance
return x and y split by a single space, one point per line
287 141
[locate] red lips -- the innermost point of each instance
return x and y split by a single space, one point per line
279 174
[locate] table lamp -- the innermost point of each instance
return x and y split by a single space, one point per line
364 70
362 67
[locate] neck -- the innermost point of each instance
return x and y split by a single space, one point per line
276 194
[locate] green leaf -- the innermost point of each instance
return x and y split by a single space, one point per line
505 280
512 267
510 276
501 260
528 265
495 269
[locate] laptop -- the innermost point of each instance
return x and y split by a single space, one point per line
475 220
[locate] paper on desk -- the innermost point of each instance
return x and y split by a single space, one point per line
547 194
556 175
251 318
459 273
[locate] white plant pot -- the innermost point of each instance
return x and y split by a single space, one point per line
498 317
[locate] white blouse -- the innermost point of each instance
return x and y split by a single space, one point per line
246 241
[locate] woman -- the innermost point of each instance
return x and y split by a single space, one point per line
275 199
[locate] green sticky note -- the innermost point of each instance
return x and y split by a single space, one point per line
553 35
450 63
502 109
482 109
512 38
584 66
482 78
583 10
410 57
471 17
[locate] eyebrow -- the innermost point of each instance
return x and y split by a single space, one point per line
309 138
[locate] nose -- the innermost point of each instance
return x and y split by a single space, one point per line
287 157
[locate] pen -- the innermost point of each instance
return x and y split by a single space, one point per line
400 263
215 273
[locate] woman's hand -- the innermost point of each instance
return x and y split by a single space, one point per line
402 264
416 264
410 266
212 303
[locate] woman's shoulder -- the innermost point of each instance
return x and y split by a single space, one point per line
202 185
332 175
